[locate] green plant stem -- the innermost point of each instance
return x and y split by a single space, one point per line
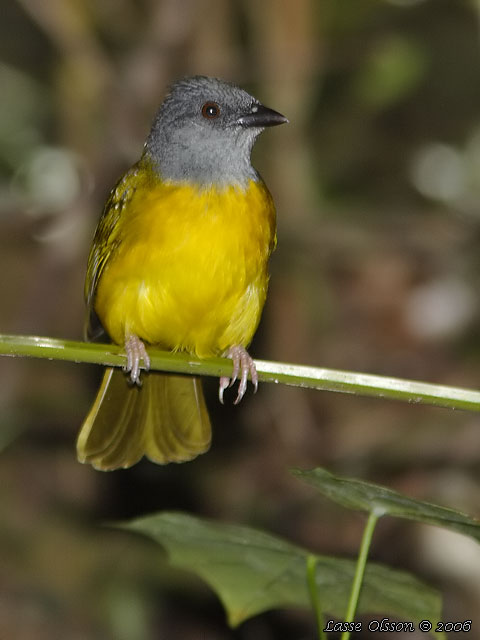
360 571
295 375
314 596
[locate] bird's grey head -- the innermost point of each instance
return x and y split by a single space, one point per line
205 130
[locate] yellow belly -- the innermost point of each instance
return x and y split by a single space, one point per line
189 267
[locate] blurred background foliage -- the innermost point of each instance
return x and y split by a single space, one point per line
377 185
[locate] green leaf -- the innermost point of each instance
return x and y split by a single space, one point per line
252 571
365 496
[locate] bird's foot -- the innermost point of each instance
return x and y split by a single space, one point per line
136 351
243 364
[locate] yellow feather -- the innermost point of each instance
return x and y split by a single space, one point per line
189 271
165 419
184 268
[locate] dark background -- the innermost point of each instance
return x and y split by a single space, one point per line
377 186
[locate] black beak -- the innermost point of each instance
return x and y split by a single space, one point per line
260 116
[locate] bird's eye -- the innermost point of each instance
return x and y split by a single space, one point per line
210 110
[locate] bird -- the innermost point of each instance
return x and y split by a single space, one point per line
179 261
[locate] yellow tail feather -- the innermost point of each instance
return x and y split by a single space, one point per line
165 419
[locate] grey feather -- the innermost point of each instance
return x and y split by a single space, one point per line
186 146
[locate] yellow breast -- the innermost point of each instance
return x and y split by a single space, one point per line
186 267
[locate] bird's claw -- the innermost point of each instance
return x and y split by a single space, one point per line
136 351
243 365
224 383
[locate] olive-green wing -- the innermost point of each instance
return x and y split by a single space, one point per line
106 240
